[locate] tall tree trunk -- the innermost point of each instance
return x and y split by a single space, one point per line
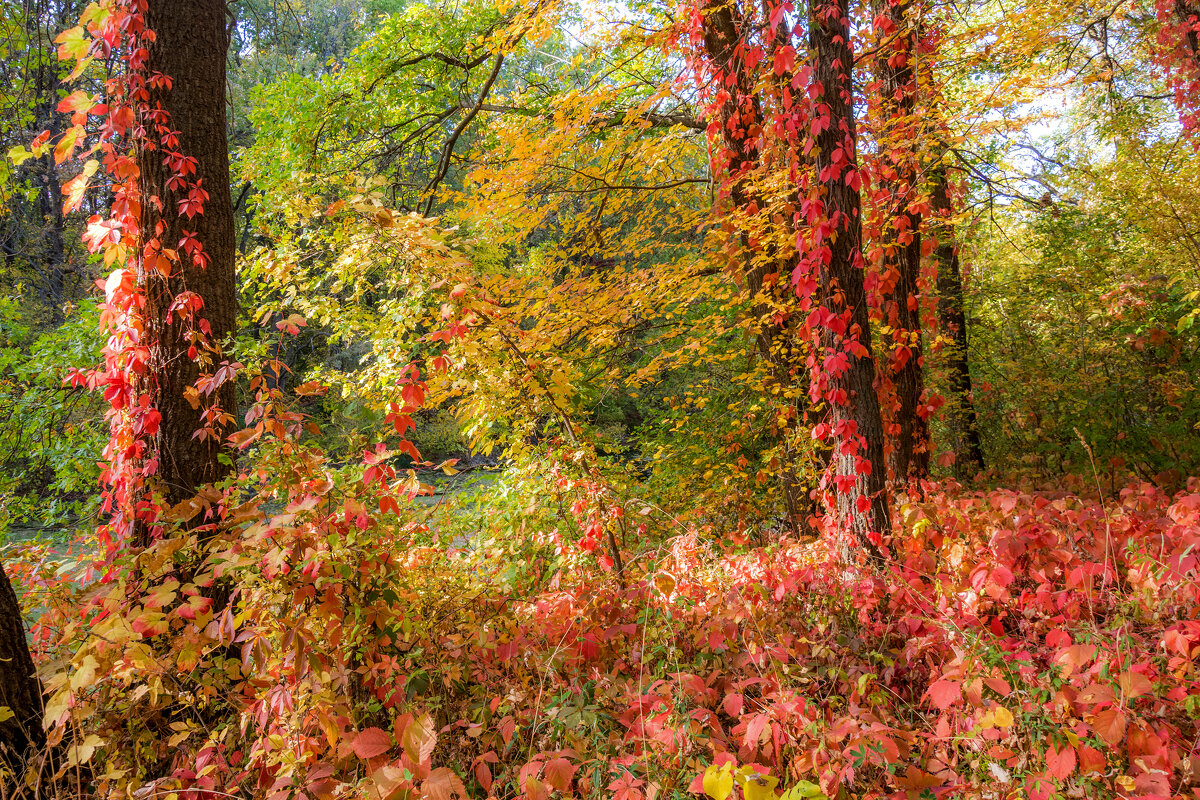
860 473
20 690
52 262
909 455
1188 14
964 424
766 274
191 41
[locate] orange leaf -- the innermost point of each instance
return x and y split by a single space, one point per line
1109 725
1074 657
66 146
75 102
1135 684
73 191
391 782
441 784
419 739
1091 760
559 772
918 780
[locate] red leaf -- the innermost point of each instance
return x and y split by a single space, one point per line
372 742
1091 760
1060 764
944 694
483 774
754 730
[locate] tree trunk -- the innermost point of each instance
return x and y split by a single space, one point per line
20 690
964 424
860 471
766 274
1188 14
908 459
191 41
51 262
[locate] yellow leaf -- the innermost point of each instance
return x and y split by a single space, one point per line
85 673
19 155
56 707
1003 717
718 781
80 753
760 787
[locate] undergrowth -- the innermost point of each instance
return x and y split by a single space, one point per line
1022 644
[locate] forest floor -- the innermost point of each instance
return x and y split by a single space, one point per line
1035 644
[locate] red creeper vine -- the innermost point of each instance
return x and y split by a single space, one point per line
114 33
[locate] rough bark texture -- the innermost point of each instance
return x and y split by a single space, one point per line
908 459
841 278
964 424
767 277
20 689
1188 12
190 47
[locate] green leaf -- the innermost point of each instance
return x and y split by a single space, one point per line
802 791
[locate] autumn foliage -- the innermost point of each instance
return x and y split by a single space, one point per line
600 417
1037 641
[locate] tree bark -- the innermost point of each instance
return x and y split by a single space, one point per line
964 423
1188 13
908 459
766 275
860 472
20 690
50 201
191 41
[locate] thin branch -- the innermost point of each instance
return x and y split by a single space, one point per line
448 149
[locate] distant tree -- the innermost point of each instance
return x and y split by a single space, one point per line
952 320
36 246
